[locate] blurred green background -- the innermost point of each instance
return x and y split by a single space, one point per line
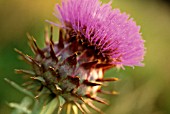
143 90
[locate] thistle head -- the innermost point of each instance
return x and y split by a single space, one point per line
114 35
92 39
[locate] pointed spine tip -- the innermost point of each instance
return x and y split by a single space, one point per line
107 79
53 55
98 99
95 108
20 71
89 64
38 49
108 92
25 57
88 83
61 42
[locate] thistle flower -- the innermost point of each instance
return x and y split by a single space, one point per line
92 39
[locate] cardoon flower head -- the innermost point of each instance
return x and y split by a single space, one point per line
113 35
92 39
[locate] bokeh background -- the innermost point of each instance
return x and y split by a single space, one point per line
143 90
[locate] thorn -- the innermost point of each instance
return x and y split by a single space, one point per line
53 53
98 99
61 43
107 79
79 106
34 47
38 49
105 66
42 91
89 64
20 71
85 108
41 79
86 82
95 108
108 92
36 97
115 93
34 78
25 57
34 61
58 88
80 98
51 32
51 35
31 43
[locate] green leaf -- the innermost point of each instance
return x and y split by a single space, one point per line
62 105
38 105
39 102
50 107
22 107
63 109
21 89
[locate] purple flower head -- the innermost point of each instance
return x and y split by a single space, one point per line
113 34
